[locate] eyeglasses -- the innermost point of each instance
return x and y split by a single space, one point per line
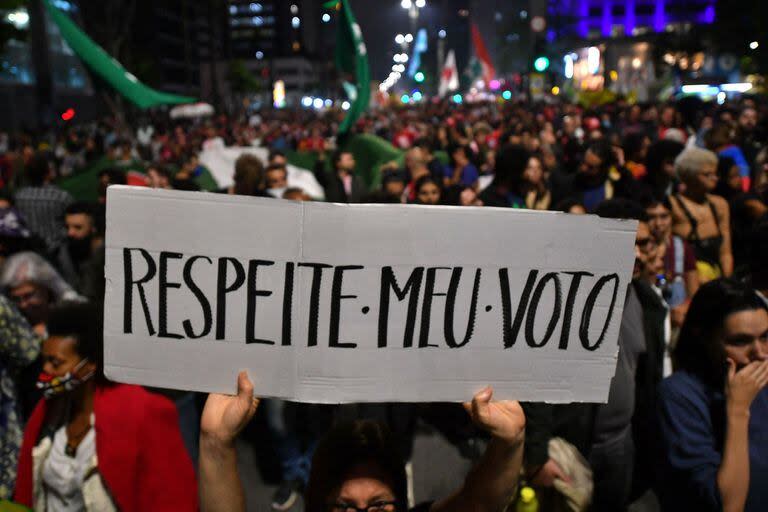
379 506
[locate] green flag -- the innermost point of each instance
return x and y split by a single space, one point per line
352 61
107 67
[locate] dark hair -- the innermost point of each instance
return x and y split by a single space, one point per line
347 446
720 135
659 152
116 176
391 176
274 154
620 208
37 169
511 162
81 207
724 166
653 202
160 169
82 321
633 144
603 150
337 156
699 348
423 181
566 204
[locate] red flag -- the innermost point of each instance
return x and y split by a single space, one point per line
481 52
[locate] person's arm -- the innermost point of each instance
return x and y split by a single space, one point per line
692 282
223 419
726 256
733 474
491 485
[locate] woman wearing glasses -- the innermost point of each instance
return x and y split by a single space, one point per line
701 217
713 411
356 467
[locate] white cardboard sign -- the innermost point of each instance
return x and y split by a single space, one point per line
343 303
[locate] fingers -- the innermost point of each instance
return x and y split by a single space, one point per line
761 373
244 386
731 369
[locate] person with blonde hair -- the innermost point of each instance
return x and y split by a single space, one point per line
701 218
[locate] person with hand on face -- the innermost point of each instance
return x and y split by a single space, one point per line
712 413
356 466
93 445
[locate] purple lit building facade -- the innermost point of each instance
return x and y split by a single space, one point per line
593 19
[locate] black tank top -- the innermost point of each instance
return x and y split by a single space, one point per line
707 249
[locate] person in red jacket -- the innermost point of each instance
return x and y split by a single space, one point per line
94 445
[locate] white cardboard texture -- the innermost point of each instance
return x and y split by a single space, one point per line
372 236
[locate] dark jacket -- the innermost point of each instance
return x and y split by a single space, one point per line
334 186
574 186
650 372
576 422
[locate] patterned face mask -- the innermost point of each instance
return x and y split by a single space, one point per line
52 385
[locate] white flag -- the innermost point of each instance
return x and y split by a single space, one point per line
449 77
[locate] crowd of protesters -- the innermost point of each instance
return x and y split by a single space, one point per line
686 420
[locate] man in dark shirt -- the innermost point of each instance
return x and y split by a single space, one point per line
42 204
341 185
81 258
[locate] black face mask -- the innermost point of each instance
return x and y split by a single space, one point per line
79 249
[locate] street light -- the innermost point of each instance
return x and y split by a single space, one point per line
408 38
399 38
421 3
406 4
753 45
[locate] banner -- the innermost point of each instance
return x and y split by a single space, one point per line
220 162
362 303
